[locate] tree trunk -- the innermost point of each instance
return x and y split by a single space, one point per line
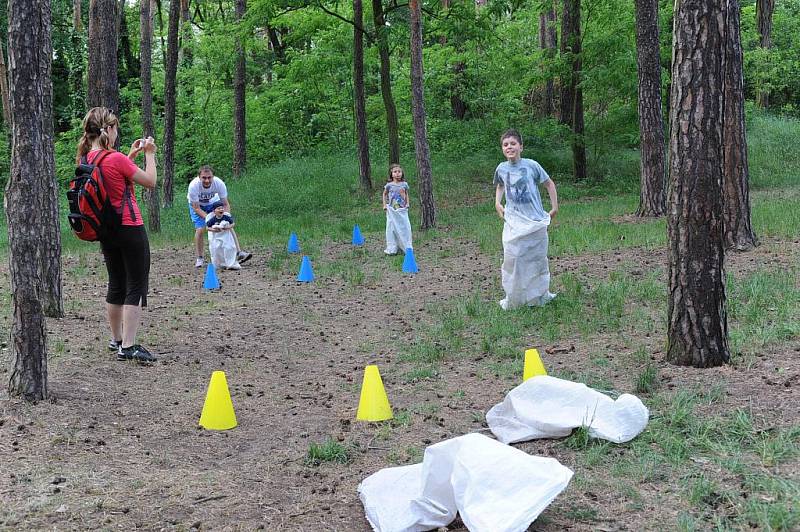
424 175
239 125
365 177
145 75
169 102
186 36
548 42
392 127
572 94
77 23
28 192
652 193
697 319
4 86
764 10
739 233
125 53
103 89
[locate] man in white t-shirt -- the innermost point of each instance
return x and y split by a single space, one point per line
204 190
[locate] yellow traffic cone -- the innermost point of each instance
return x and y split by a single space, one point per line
218 411
374 404
533 365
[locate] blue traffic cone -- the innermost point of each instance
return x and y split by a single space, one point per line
409 262
293 246
211 282
358 238
306 274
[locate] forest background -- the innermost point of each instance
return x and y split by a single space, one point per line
484 71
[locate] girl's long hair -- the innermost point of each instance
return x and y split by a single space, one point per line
94 127
392 167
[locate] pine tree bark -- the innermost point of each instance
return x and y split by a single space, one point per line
103 87
186 36
4 86
28 192
392 127
571 92
424 175
359 99
239 125
697 317
170 102
125 53
151 196
77 23
764 11
652 192
739 233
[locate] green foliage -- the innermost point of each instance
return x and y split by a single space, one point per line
328 451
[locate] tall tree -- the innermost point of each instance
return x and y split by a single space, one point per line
424 174
28 190
548 43
571 91
652 192
125 53
382 42
169 102
239 124
4 85
365 178
77 23
764 10
103 85
697 320
145 77
186 35
739 233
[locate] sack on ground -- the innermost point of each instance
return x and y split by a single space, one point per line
525 272
547 407
398 230
493 487
222 248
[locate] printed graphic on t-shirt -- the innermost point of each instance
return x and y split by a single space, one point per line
396 200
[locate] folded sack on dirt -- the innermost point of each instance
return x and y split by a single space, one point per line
547 407
493 487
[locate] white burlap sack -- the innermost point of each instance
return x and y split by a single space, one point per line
398 231
525 272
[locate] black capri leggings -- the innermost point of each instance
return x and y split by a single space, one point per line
127 257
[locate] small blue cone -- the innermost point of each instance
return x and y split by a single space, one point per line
211 282
306 274
358 238
293 246
409 262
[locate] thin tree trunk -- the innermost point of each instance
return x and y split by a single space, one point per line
186 36
131 68
169 102
697 318
424 174
103 89
239 124
652 192
739 233
392 127
548 42
28 192
571 93
4 86
161 33
152 198
77 23
764 11
365 177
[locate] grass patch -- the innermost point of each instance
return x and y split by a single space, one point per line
327 451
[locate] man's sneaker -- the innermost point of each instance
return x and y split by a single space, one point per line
243 256
137 353
199 262
114 345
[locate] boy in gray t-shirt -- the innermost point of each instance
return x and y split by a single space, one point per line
525 271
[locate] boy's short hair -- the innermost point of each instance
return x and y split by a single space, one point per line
511 133
217 204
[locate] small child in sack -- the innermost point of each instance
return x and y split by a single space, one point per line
221 245
525 272
395 203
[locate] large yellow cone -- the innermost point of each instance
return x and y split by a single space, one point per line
374 404
533 365
218 411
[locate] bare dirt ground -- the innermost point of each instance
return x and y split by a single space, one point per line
118 446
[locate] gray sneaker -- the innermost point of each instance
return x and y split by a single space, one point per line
243 256
114 345
137 353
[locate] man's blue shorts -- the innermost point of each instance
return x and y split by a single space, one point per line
199 222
